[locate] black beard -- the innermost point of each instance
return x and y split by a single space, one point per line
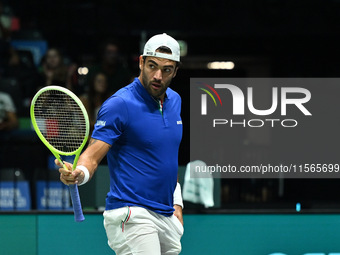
147 86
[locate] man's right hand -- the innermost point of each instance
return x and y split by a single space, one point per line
68 176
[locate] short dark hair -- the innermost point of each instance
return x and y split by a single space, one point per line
167 50
164 49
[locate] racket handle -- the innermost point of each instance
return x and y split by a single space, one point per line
78 212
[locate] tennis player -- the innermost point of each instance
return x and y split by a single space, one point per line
139 128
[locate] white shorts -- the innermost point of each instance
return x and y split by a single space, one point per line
135 230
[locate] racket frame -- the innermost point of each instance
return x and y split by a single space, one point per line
55 151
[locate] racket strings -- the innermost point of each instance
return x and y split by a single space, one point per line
60 120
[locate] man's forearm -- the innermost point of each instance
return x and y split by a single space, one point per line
92 156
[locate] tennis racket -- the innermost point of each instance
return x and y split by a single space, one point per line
60 120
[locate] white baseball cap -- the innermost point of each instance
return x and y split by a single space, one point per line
162 40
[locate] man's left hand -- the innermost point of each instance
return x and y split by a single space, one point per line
178 213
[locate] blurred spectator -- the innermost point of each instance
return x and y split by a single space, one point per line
54 71
5 24
21 68
95 97
8 117
113 66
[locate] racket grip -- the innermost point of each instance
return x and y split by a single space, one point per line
78 212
